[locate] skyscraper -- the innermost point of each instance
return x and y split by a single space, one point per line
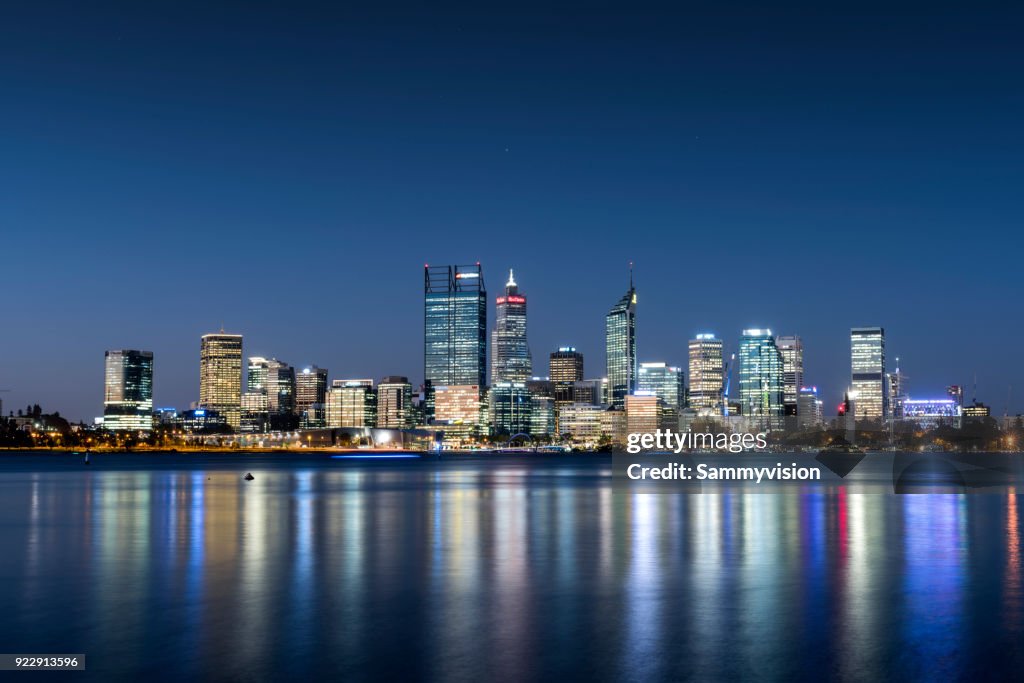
867 372
455 328
277 378
220 375
351 403
664 381
510 407
311 397
565 368
792 350
760 373
510 352
128 390
394 403
809 412
706 374
620 346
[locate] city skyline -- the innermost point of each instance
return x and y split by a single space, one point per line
868 186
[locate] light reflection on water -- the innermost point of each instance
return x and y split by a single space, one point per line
477 568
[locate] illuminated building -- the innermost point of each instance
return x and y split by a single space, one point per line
760 378
394 403
311 397
664 381
707 375
458 410
809 408
277 379
351 403
956 393
205 420
620 347
867 372
581 422
455 328
792 350
565 366
128 390
613 424
510 353
510 408
220 376
896 383
930 413
542 415
646 413
255 412
976 410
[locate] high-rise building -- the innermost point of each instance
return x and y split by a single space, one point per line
792 350
620 347
867 372
565 367
220 376
458 409
455 328
542 416
128 390
707 374
277 378
351 403
581 422
809 408
311 397
394 403
255 412
896 386
664 381
646 413
510 407
510 352
760 377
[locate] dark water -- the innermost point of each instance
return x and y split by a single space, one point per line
172 567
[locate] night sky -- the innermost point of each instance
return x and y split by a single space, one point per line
285 171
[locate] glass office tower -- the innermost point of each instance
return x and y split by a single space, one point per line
707 374
620 347
867 372
510 352
664 381
760 373
220 375
311 397
455 328
128 390
792 350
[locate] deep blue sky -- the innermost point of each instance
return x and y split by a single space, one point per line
287 170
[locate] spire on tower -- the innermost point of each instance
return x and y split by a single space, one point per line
511 280
631 275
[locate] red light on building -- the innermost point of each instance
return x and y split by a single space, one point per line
517 299
842 408
500 300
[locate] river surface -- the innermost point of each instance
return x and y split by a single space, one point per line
172 567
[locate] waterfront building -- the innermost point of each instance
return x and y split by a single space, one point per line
867 372
458 410
351 403
510 352
931 412
205 420
646 413
792 350
542 416
976 411
896 384
275 377
809 406
311 397
665 381
707 375
128 390
613 425
760 378
620 347
510 407
255 412
565 367
220 376
394 403
455 328
581 422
